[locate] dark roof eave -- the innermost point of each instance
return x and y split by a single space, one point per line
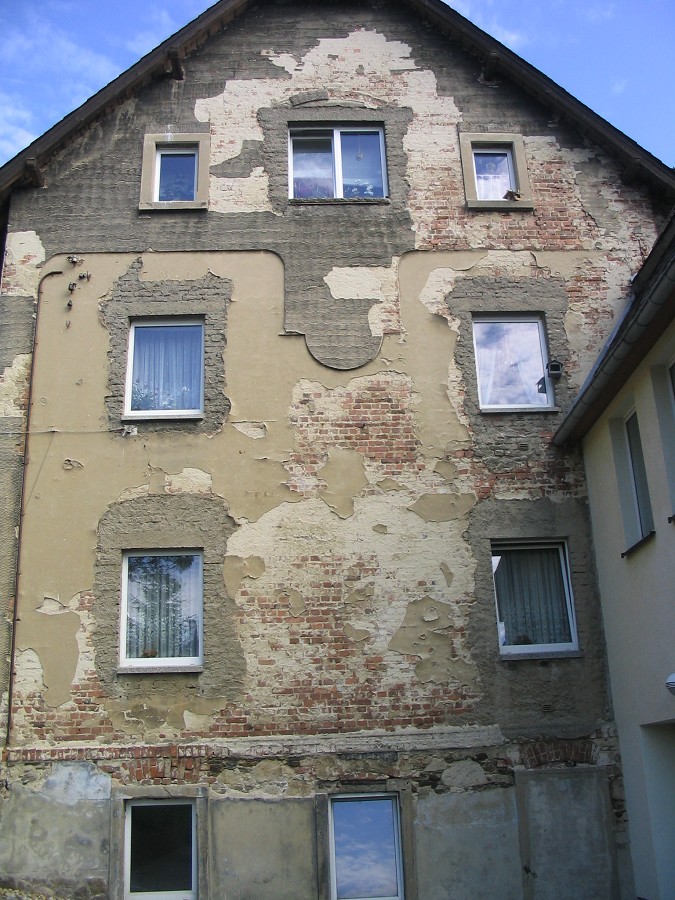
645 320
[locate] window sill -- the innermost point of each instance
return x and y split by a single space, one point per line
633 547
540 654
339 201
162 668
503 205
174 205
497 410
154 416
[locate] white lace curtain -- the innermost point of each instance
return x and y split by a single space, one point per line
167 367
531 597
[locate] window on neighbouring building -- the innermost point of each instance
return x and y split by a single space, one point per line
494 170
511 362
165 368
365 844
175 173
638 477
161 621
535 609
344 163
160 850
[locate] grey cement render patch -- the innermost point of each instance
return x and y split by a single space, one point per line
268 849
17 323
506 296
167 522
61 840
467 846
337 232
205 299
550 697
570 847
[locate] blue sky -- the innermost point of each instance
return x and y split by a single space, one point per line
614 55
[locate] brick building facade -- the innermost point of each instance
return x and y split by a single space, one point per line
351 467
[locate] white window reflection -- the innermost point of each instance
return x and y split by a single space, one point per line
511 363
365 848
343 163
177 174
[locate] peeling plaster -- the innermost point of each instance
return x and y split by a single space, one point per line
190 480
431 632
13 385
236 568
345 478
24 254
443 507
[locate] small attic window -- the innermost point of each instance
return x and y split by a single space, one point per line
495 174
175 172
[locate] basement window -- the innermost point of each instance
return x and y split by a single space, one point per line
165 369
161 616
533 594
365 847
160 850
175 171
511 363
494 170
329 163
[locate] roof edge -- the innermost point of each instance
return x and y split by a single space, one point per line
650 311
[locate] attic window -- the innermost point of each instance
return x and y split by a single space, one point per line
175 172
345 163
495 174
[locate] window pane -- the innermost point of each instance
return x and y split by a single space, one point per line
365 840
641 488
177 176
511 363
164 597
493 174
313 167
167 368
361 164
531 596
161 847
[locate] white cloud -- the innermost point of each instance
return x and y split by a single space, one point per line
619 86
160 26
602 13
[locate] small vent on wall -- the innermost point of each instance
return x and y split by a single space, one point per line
547 708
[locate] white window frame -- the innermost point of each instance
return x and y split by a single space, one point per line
395 801
158 895
156 145
570 648
335 131
164 663
128 388
543 348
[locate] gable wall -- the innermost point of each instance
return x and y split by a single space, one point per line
355 480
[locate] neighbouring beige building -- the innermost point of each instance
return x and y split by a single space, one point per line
625 418
299 596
